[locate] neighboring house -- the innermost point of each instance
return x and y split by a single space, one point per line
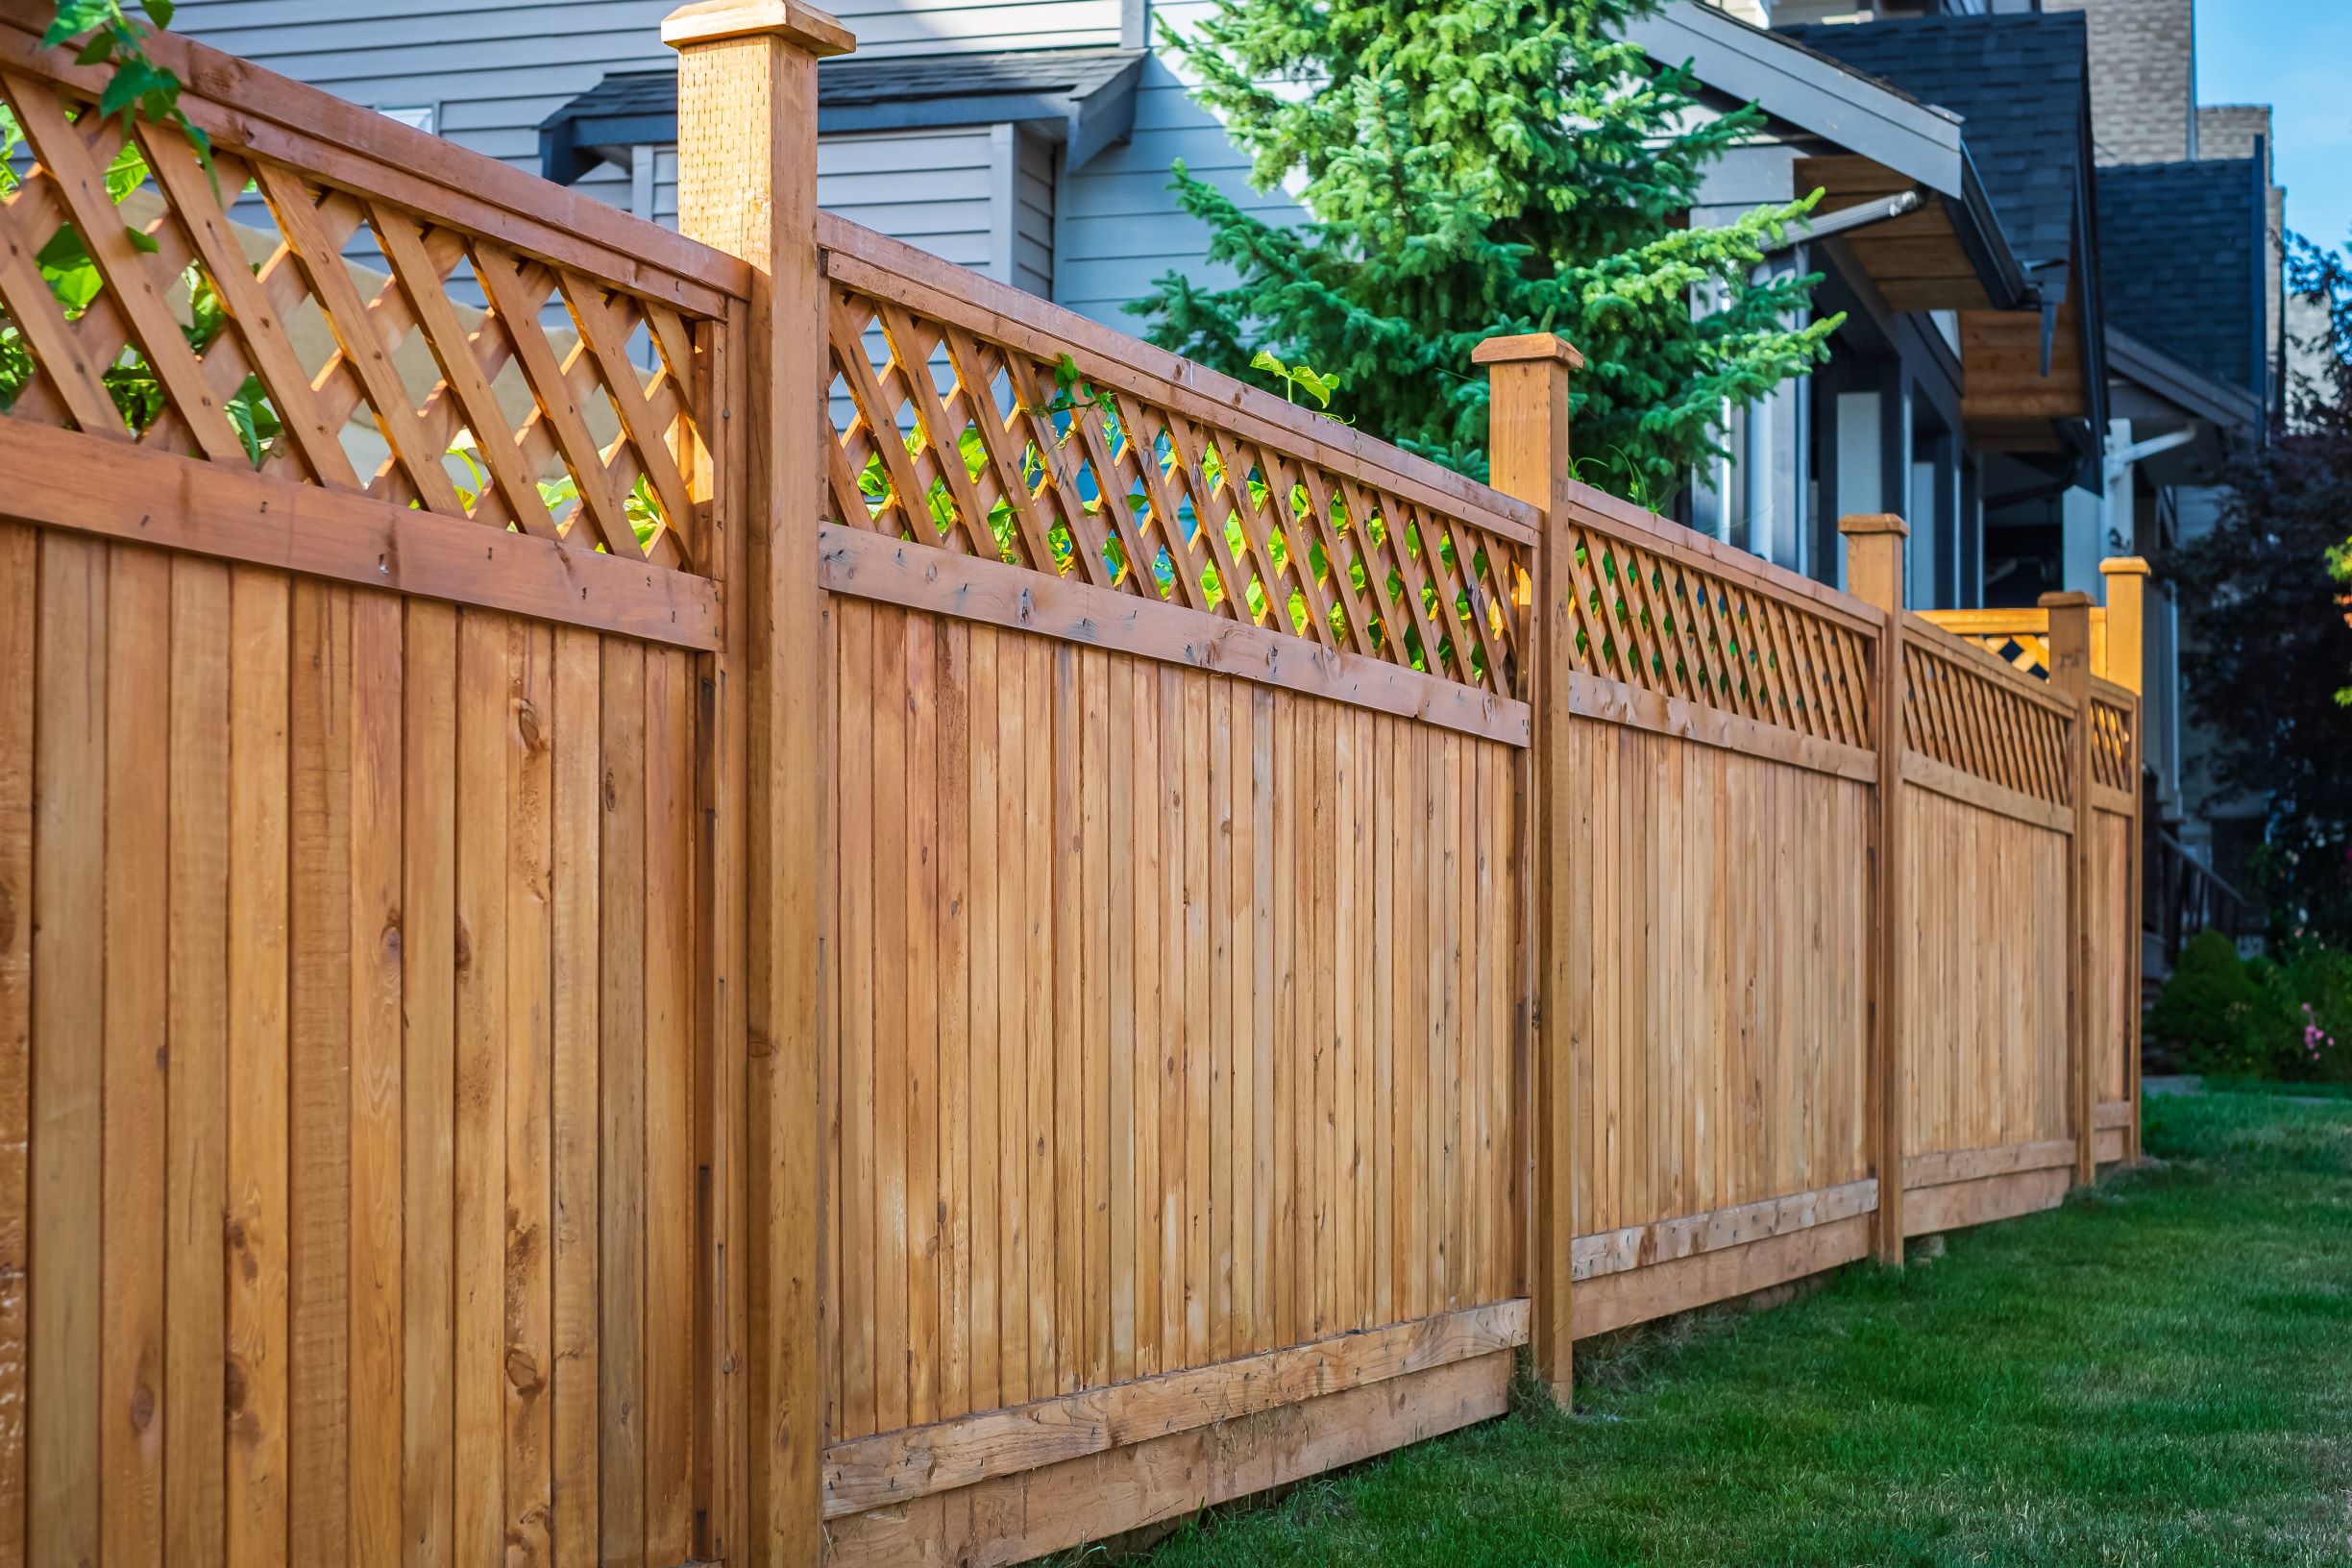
2150 233
1029 139
2060 273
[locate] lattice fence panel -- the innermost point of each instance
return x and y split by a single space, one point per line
1975 721
2026 651
2113 726
137 309
1658 619
947 438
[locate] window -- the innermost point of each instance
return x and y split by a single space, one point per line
423 117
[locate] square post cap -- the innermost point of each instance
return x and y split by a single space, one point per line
1854 524
2124 566
2072 599
710 21
1505 351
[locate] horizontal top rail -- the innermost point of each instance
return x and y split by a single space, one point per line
338 144
971 417
1668 611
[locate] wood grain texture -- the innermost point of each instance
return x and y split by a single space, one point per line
1984 1012
1023 1515
1729 989
313 1209
1171 827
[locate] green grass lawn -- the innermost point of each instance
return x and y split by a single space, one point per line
2157 1373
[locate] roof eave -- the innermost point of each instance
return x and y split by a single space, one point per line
1810 91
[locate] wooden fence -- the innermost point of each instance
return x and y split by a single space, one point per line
593 975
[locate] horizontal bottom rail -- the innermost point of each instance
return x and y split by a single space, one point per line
1663 1242
1940 1169
1955 1206
1636 1295
895 1467
1100 1495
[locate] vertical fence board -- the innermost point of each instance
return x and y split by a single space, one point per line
428 1083
197 1094
662 969
525 1295
68 1018
577 796
376 1280
133 1148
621 1077
319 1131
21 625
258 1235
487 696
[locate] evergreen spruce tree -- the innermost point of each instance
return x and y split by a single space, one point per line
1474 167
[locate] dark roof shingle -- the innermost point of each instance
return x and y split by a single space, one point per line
2018 83
2184 273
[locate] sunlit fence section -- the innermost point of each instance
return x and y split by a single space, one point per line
766 902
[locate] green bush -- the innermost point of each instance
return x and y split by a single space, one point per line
2287 1020
2311 989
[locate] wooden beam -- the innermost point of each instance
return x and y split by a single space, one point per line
748 185
1022 1516
1957 1205
1941 1170
1968 789
2070 677
1638 1295
66 480
1665 1241
1875 569
893 1469
1528 438
1614 702
869 565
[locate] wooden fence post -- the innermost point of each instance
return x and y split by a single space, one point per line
748 185
1875 574
2126 628
1528 442
2070 674
2126 666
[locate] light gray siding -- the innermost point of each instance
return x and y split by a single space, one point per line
495 70
1120 229
1031 199
1094 239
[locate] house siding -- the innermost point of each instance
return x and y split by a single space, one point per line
493 72
1121 230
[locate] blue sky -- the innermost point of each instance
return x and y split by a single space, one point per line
2296 56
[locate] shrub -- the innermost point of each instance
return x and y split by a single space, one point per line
2288 1020
2311 989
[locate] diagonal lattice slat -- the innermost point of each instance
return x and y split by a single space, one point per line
143 299
1973 719
952 437
1666 621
